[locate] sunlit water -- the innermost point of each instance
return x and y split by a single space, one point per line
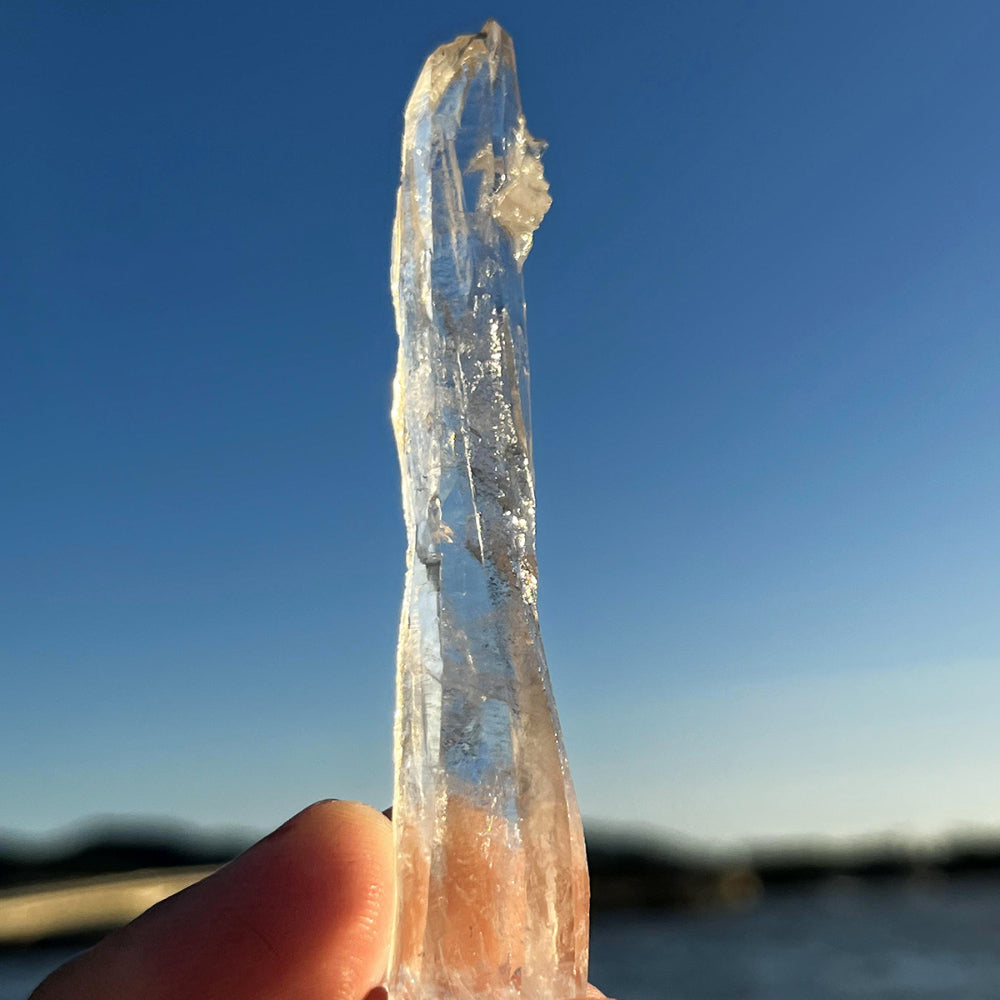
22 971
849 943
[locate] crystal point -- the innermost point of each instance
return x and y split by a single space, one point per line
492 890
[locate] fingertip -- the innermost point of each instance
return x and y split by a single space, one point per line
347 811
330 880
307 908
356 835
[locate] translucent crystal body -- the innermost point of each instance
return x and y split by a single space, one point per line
492 891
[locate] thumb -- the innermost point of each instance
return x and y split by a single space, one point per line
304 915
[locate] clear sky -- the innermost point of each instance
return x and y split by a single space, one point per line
764 317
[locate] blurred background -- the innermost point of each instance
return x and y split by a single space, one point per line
763 321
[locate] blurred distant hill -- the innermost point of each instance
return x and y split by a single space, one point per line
107 873
878 861
112 849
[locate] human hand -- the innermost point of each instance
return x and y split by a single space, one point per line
306 914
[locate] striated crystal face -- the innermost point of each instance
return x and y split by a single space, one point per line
492 890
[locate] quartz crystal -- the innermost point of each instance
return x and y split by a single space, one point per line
492 890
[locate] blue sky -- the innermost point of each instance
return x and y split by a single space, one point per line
764 315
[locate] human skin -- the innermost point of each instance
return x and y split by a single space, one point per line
305 914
